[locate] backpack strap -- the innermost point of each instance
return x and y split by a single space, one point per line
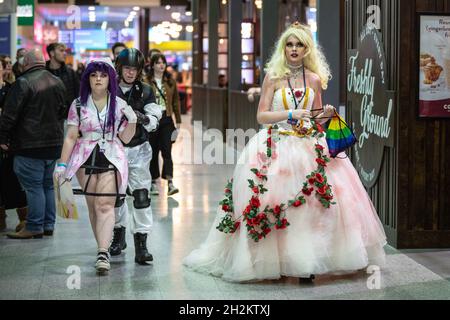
78 106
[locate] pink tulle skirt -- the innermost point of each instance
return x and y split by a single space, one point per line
346 237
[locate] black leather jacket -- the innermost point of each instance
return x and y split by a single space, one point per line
137 97
70 80
33 113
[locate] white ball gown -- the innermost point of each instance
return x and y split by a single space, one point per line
334 229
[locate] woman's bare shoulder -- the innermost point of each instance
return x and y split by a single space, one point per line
313 79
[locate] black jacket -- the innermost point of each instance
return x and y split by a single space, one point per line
3 92
33 113
138 97
70 80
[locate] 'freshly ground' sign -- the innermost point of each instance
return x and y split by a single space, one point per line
371 103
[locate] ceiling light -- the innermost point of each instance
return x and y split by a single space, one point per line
189 28
188 13
91 8
136 8
168 7
104 24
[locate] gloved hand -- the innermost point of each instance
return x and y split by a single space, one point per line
142 118
60 170
130 114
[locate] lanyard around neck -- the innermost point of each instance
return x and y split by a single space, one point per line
106 116
297 103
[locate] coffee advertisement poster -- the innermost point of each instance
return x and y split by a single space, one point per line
434 74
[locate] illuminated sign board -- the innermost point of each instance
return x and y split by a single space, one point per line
90 39
25 12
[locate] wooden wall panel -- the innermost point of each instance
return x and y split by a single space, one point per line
411 195
383 194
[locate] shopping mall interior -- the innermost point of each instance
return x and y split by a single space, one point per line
217 52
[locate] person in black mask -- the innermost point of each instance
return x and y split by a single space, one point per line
139 95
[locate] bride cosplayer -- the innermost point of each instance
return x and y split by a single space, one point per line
290 210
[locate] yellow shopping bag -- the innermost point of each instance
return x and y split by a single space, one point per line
65 200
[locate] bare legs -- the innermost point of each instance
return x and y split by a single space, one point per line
101 209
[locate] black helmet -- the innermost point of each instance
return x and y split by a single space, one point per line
130 57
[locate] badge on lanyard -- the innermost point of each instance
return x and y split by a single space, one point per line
102 147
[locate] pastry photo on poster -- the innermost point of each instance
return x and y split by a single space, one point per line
434 73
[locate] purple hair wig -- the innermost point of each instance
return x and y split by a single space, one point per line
85 87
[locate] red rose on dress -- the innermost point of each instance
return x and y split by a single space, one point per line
269 142
297 203
283 224
328 197
227 190
267 231
259 175
298 94
255 202
318 146
277 210
319 128
319 178
308 191
269 131
237 224
225 208
312 180
261 216
322 191
303 131
260 236
321 162
248 209
255 190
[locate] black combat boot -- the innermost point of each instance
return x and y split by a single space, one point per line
118 243
140 246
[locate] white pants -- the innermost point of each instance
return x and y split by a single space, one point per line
139 177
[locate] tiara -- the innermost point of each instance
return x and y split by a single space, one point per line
296 24
299 25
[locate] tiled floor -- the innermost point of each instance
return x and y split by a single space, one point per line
39 269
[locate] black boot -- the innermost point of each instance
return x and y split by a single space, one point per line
307 280
118 243
140 245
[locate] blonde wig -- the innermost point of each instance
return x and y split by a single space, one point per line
314 59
